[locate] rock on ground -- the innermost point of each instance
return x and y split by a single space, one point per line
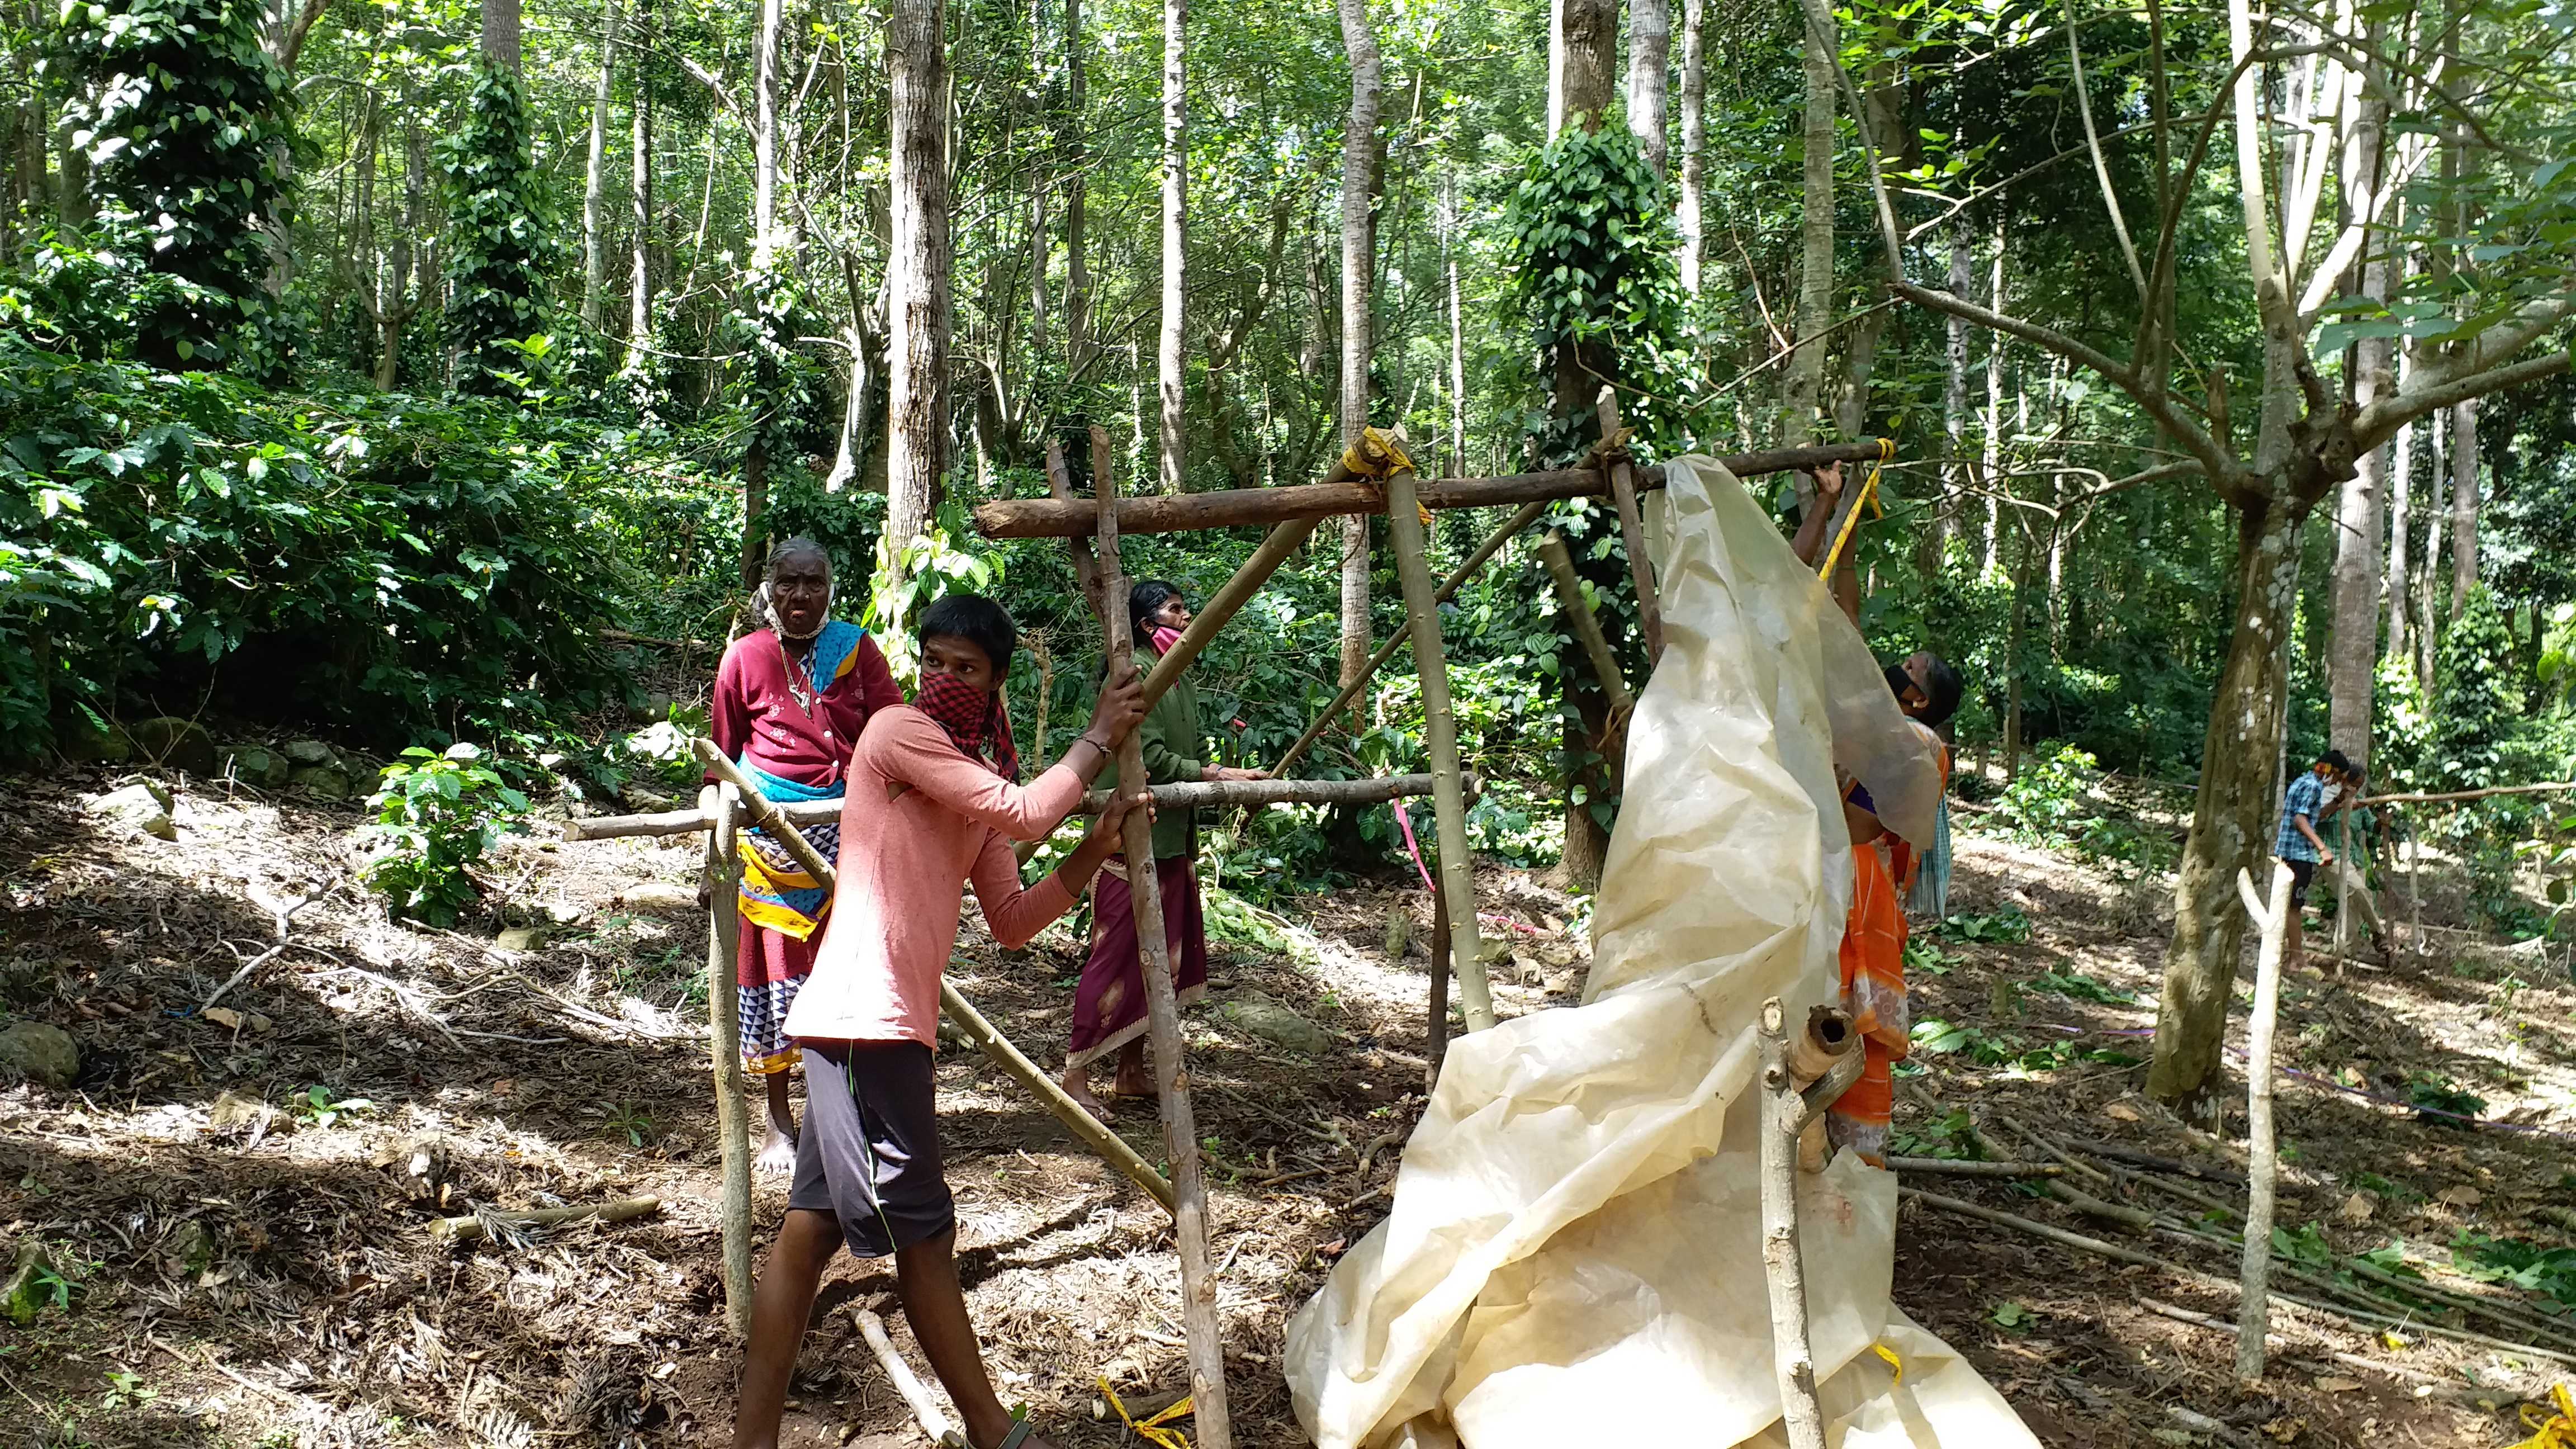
44 1053
145 806
1275 1022
175 743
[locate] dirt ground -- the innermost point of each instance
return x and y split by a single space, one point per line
231 1207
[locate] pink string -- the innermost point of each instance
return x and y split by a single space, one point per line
1404 818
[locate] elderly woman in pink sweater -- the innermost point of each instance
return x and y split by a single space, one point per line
933 805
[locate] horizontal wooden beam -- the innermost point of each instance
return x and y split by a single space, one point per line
1187 796
1242 507
1278 792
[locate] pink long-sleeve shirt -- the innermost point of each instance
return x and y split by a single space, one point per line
921 821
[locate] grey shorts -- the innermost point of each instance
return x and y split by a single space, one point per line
868 1153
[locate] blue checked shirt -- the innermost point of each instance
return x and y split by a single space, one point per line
2306 797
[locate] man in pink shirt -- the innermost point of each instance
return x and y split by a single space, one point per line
932 805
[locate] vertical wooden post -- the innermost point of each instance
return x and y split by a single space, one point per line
724 1020
1781 1114
1440 740
1436 1043
2253 1316
1199 1321
1632 532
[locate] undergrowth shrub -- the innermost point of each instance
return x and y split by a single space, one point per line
437 816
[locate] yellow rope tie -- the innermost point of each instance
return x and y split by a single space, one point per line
2557 1431
1152 1430
1376 456
1893 1362
1869 496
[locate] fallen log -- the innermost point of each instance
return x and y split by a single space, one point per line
681 822
1951 1167
1241 507
1194 795
470 1228
907 1384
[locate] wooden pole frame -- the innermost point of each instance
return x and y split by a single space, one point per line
1521 518
1200 1323
1632 527
1596 647
1440 741
724 1020
1783 1113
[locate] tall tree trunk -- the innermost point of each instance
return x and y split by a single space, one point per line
1993 457
2401 507
1457 323
1650 61
594 190
639 204
1694 137
1359 268
1589 33
501 34
1555 67
2428 612
918 266
1170 358
1805 378
1954 403
1077 276
2361 518
2464 503
765 265
2232 824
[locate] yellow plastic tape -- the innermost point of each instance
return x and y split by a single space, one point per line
2556 1431
1151 1430
1375 455
1868 496
1893 1362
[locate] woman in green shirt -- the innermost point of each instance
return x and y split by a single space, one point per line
1109 1005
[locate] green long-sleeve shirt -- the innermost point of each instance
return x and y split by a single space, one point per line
1173 741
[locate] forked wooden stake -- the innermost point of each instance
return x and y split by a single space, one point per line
1783 1117
724 1020
1440 742
1199 1321
1632 532
2254 1315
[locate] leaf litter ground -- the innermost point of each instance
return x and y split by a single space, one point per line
246 1259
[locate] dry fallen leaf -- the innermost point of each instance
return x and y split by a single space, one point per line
2121 1112
223 1016
2358 1208
2339 1386
2462 1196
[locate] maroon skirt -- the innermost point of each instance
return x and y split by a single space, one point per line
1109 1005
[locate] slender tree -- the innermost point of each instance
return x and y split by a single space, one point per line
594 191
1650 64
639 202
1694 137
917 269
1802 383
1359 269
1171 356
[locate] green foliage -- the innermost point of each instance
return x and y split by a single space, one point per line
2081 987
398 565
319 1106
2440 1100
2009 925
436 817
499 233
2049 801
2527 1266
2476 700
185 118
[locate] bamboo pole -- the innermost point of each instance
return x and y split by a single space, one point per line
1440 741
1632 530
681 822
724 1019
1200 1326
1244 507
1436 1045
2254 1314
1793 1354
1222 605
2449 797
470 1228
1089 1129
1200 794
1521 518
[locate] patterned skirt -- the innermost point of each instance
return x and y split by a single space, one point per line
782 909
1109 1005
1873 979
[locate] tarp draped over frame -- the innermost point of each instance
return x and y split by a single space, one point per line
1574 1254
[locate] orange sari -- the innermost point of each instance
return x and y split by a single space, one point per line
1873 980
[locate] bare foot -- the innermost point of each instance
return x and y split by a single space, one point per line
1031 1442
1080 1091
1135 1081
777 1154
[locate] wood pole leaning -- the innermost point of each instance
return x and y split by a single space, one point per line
798 814
1201 794
1230 597
1521 518
2253 1316
724 1020
1440 742
2343 886
1783 1118
1632 529
1596 647
907 1385
1089 1129
470 1228
1200 1326
681 822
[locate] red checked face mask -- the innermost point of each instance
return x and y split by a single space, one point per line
973 718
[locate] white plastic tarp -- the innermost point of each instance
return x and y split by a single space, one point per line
1573 1251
